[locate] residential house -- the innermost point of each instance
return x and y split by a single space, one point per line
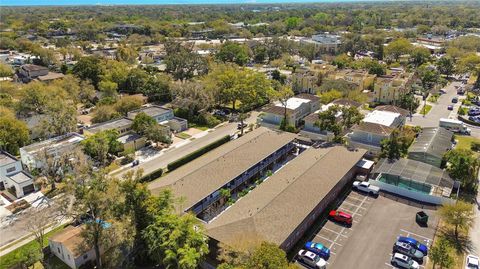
297 108
360 78
34 155
163 116
13 177
304 82
375 127
70 247
121 125
430 145
29 72
389 88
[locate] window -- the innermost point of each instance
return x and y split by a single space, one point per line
85 256
68 256
58 249
11 169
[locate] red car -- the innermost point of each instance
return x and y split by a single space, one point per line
341 217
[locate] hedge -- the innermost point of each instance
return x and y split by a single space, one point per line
152 176
192 156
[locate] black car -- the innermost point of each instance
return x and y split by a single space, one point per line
135 163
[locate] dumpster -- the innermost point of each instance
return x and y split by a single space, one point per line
421 218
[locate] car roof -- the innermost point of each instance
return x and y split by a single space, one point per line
400 256
403 244
341 213
472 259
407 239
316 245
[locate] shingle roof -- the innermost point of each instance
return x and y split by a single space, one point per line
72 239
310 97
374 128
278 110
346 102
33 67
201 177
435 141
276 207
395 109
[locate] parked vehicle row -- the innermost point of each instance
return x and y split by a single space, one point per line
408 253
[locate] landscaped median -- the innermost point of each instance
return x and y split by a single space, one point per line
22 253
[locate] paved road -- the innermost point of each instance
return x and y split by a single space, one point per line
475 230
175 153
439 109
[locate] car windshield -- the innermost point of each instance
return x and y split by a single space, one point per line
316 258
472 266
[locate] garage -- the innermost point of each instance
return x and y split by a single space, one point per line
28 189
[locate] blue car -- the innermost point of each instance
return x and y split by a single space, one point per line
414 243
318 249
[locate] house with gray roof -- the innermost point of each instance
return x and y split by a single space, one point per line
163 116
430 145
13 178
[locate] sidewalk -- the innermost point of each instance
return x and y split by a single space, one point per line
27 239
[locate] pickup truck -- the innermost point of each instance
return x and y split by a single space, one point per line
365 187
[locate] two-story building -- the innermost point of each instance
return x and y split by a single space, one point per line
360 78
324 42
375 127
389 88
34 155
13 177
297 108
29 72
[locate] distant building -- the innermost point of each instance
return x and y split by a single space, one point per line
360 78
122 126
304 82
33 155
29 72
13 177
297 108
430 145
326 43
70 247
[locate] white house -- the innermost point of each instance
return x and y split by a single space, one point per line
33 155
13 178
376 126
297 107
68 245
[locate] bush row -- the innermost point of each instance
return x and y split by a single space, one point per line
192 156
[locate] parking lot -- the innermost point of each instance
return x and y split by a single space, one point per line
377 222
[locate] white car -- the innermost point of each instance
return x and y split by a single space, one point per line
403 261
311 259
472 262
365 187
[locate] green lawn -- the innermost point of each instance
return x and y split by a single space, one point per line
14 257
426 109
197 126
464 142
183 135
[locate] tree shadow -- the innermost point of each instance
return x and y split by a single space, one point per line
462 245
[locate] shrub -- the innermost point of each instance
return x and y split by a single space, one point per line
152 176
192 156
475 146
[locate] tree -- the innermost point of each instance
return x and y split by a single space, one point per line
157 133
176 241
409 102
327 120
397 48
470 63
429 77
396 146
61 118
108 89
463 166
460 215
158 89
104 113
37 224
268 256
96 200
193 97
141 122
99 145
350 116
446 66
282 95
419 56
182 62
127 54
13 134
440 253
89 68
329 96
127 104
233 52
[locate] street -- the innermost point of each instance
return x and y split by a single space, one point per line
173 154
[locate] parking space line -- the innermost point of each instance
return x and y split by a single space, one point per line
350 211
334 232
421 236
354 205
333 242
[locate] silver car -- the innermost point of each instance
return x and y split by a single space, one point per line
408 250
403 261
